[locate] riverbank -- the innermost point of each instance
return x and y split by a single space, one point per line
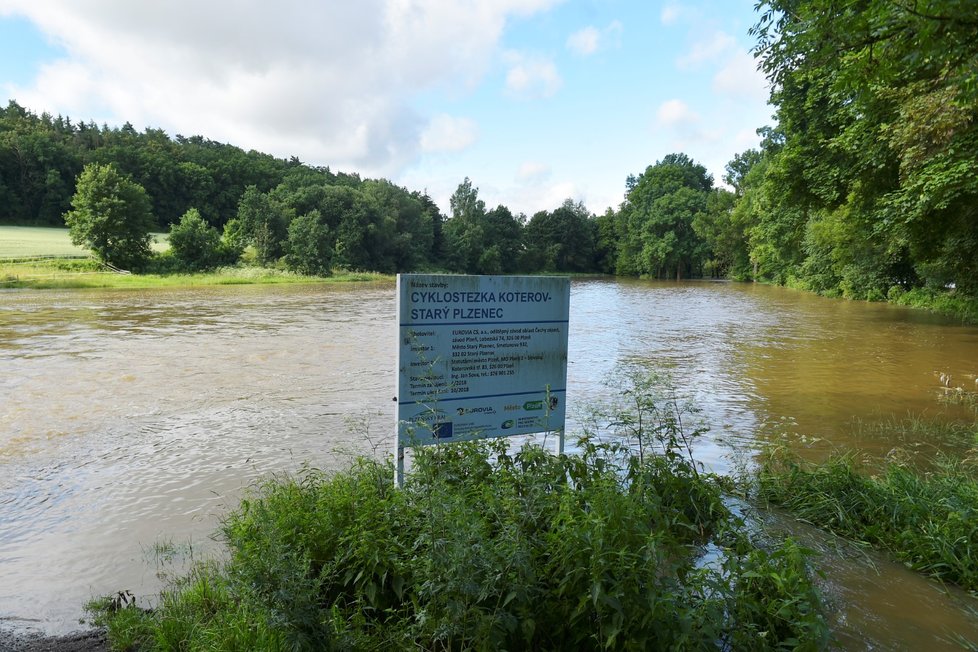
93 640
491 548
945 303
71 273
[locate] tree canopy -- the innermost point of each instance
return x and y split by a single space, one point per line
111 216
876 180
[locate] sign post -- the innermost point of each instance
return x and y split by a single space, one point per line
479 357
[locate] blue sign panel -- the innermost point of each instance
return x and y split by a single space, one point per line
480 356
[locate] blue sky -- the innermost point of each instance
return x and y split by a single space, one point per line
535 100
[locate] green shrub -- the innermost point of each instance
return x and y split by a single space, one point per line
196 246
488 548
484 549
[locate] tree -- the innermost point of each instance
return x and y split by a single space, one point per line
562 240
310 246
465 233
658 238
878 104
404 235
196 245
724 237
111 215
261 222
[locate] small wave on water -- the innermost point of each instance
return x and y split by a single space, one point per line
130 418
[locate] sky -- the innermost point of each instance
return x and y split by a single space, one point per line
536 101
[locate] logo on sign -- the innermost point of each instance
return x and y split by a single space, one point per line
486 409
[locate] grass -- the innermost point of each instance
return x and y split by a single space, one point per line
949 303
44 258
490 548
79 274
22 242
920 504
926 519
33 242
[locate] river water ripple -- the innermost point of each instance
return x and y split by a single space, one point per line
134 419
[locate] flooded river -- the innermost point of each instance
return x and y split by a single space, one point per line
131 420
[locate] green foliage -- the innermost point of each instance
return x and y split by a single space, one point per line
111 216
926 520
562 240
487 548
877 173
952 304
310 246
197 246
261 222
658 238
405 236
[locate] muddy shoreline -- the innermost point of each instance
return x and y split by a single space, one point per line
91 640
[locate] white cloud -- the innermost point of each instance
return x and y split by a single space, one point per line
332 83
585 41
532 172
675 113
739 78
531 76
712 48
446 133
590 39
670 14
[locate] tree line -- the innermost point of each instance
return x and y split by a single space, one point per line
866 187
113 186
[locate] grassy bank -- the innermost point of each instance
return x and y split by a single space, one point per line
926 519
44 258
87 273
920 504
491 548
944 302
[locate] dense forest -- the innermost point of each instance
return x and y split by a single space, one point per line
866 187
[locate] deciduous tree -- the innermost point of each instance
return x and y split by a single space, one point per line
111 215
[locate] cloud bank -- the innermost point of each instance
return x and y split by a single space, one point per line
331 83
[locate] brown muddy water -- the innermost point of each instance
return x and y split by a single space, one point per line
130 421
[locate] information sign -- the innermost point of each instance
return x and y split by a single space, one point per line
480 356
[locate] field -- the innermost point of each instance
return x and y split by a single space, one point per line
44 258
36 242
20 242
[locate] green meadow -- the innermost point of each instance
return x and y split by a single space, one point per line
45 258
20 242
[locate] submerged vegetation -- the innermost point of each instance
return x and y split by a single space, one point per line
920 504
490 548
926 519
